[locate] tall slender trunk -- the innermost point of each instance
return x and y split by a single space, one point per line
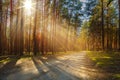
42 26
6 43
53 25
34 32
11 21
22 33
30 36
0 25
102 24
16 29
119 23
107 32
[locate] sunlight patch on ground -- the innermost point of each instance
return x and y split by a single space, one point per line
28 66
57 61
83 75
70 64
4 61
117 76
20 61
62 58
42 66
45 58
28 70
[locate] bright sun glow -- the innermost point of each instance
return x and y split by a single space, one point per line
28 6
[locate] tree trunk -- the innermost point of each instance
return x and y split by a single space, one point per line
119 23
22 33
34 32
11 21
102 23
30 36
16 34
0 26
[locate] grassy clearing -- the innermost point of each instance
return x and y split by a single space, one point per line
108 61
104 59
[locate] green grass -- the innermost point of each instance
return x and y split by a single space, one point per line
104 59
116 76
5 60
108 61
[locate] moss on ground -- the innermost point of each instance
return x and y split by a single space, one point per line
116 76
108 61
104 59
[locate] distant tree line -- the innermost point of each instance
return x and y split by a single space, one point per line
103 26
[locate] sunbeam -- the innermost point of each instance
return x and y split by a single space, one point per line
28 6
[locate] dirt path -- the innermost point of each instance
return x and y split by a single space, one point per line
74 66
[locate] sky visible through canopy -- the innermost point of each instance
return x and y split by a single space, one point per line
83 0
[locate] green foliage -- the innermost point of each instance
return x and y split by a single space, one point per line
95 30
109 1
90 4
71 10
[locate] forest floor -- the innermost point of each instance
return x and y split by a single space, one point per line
73 66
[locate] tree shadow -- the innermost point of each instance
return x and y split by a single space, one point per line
9 67
52 72
86 72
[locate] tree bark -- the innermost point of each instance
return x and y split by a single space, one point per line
0 26
22 33
11 21
119 24
102 24
34 32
